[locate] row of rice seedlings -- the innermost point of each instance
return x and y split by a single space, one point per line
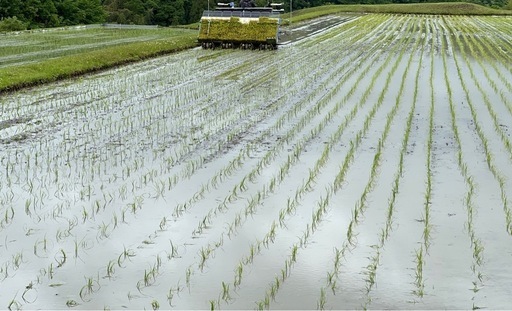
104 227
361 204
332 277
150 275
371 269
500 30
241 187
263 162
269 188
492 57
206 251
428 191
419 260
286 139
488 154
297 150
473 47
468 202
290 208
276 283
316 216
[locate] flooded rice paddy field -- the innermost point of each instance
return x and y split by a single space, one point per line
366 166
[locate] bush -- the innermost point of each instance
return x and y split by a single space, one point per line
12 24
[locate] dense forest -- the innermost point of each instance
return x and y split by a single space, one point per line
23 14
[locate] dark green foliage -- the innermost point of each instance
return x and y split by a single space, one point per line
52 13
11 24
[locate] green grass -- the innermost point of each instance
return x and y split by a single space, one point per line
448 8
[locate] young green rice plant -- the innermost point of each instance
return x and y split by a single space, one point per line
14 305
294 254
126 254
104 232
90 287
60 258
174 251
477 247
204 255
170 295
322 301
350 234
225 292
155 305
110 268
77 247
332 280
188 274
238 274
420 286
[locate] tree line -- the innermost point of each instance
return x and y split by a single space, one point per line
28 14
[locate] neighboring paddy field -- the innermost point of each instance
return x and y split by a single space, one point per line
32 57
366 166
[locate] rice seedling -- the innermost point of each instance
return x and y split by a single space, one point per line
126 254
225 292
14 305
213 303
419 282
90 287
60 258
322 300
238 274
110 268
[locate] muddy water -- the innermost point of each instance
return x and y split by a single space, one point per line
248 179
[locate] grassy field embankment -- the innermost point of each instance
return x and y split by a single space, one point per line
28 59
